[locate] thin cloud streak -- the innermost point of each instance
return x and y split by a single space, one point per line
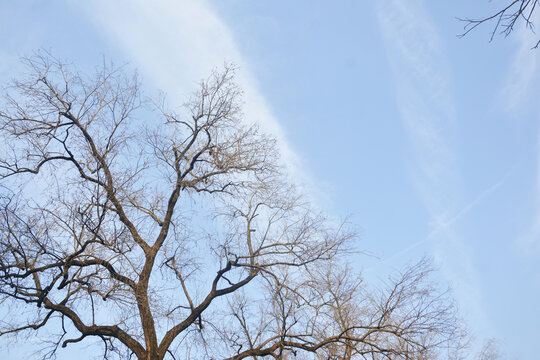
520 89
441 226
422 76
445 225
421 79
523 74
180 43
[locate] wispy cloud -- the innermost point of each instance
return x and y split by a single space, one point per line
422 82
528 241
523 74
519 91
175 44
422 79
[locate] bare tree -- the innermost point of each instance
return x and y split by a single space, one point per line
506 19
174 234
490 350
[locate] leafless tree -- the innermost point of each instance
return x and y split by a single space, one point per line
506 19
168 234
490 350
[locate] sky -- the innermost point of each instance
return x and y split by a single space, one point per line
429 143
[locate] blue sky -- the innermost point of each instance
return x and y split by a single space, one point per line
429 142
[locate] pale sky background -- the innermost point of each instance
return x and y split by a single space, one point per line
431 142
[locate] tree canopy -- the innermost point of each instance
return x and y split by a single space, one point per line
176 234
